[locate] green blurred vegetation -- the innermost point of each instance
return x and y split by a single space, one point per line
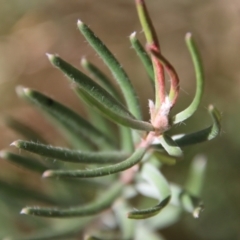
29 29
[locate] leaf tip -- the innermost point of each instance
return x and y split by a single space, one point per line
47 174
25 211
22 91
188 36
15 144
84 62
80 23
51 58
133 35
197 211
210 107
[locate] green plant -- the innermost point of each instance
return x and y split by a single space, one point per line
131 164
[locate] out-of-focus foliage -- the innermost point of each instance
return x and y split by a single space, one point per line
29 29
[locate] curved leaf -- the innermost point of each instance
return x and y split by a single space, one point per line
206 134
170 146
115 67
102 203
69 155
190 110
99 172
160 190
174 89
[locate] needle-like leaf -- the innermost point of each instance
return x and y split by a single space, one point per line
99 172
115 67
143 55
152 39
23 161
69 155
18 191
99 97
102 203
104 81
24 130
69 230
196 175
127 121
190 110
79 128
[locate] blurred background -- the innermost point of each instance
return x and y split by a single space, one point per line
29 29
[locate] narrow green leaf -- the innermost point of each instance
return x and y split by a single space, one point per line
115 67
126 141
206 134
23 161
143 55
102 203
81 130
126 138
99 172
68 231
69 155
152 39
190 110
101 123
99 97
18 191
188 202
159 189
114 116
104 81
149 212
191 204
196 175
24 130
170 146
146 22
